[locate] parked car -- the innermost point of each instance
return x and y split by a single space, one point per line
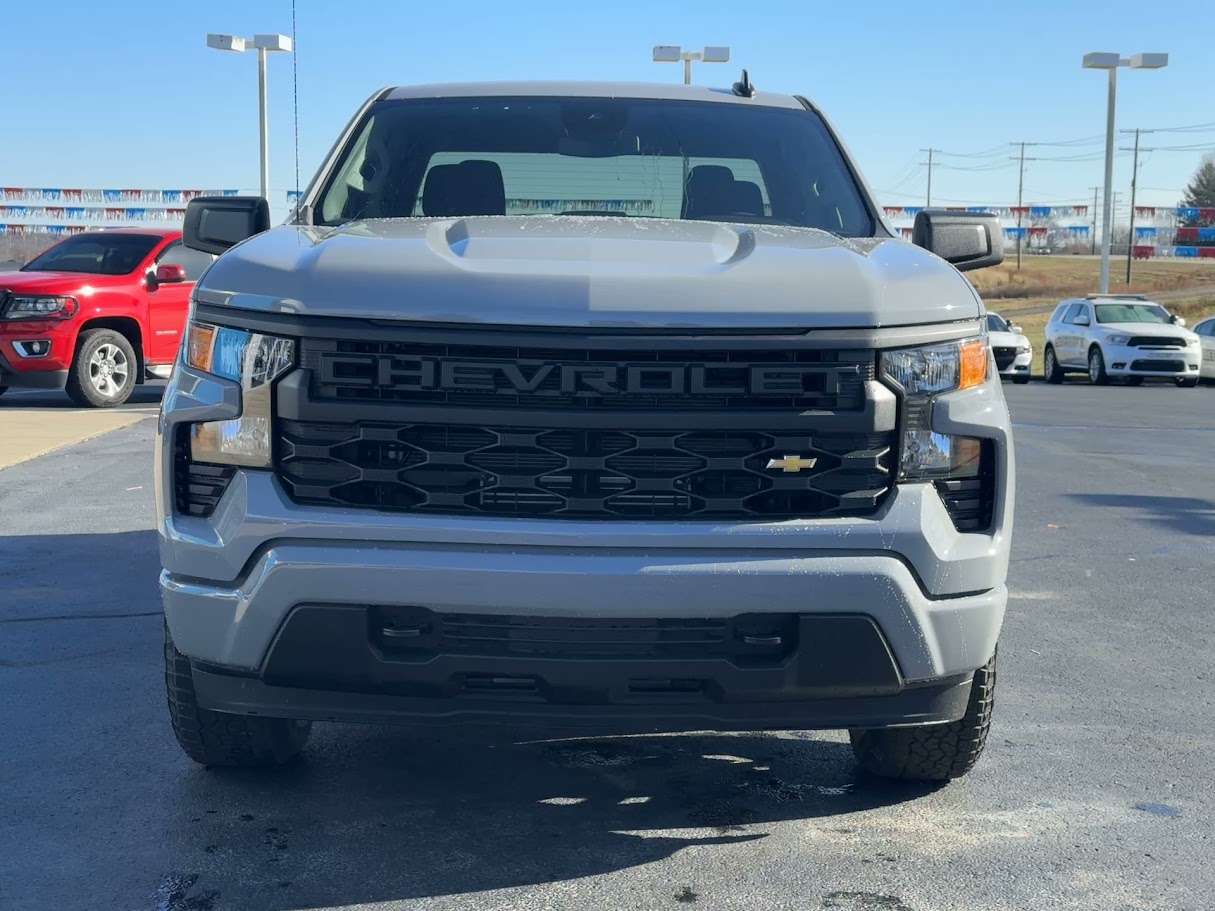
1011 349
1205 330
97 314
1123 336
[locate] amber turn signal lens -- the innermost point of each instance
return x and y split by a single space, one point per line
975 358
200 344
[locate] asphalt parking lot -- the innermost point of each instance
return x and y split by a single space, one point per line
1095 793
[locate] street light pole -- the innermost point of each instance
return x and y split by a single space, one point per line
263 44
1111 62
263 122
1107 220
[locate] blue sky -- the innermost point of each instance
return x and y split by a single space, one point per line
126 94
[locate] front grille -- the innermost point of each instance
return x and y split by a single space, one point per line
197 486
415 633
585 378
1159 365
566 473
1151 341
1004 356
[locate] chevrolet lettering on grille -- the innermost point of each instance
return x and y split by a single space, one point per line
426 374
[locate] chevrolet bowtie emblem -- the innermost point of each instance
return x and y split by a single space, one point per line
791 463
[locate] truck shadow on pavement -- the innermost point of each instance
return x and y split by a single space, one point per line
381 814
368 814
1188 515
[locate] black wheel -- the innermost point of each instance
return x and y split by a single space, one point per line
932 752
1134 381
219 739
1050 366
1187 382
3 389
103 372
1096 367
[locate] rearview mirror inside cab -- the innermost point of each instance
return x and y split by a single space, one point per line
967 240
213 224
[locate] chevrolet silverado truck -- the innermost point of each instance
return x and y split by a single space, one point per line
606 407
97 314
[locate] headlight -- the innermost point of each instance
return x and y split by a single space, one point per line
1022 347
938 368
922 374
41 307
1117 339
1192 342
254 360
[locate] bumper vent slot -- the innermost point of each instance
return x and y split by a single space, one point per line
971 501
198 486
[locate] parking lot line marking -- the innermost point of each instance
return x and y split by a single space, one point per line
27 434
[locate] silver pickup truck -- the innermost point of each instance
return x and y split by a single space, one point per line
608 406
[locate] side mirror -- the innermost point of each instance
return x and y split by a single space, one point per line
966 240
168 275
213 224
1082 321
1016 330
1177 320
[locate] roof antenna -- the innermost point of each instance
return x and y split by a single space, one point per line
744 87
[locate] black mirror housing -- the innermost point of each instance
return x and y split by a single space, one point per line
966 240
214 224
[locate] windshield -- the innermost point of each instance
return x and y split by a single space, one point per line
96 254
599 156
996 323
1131 313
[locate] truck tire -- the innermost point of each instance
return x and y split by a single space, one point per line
221 739
931 752
1050 366
103 373
1187 382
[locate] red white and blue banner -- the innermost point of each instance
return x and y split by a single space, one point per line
37 195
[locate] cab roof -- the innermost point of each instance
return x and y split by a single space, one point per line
550 89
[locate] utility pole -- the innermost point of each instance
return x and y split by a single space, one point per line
1020 192
928 200
1134 184
1095 190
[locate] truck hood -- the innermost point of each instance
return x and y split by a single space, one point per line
575 271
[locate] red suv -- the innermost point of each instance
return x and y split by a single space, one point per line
97 314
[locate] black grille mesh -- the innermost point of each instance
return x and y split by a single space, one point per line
563 473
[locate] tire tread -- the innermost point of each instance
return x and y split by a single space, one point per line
932 752
223 739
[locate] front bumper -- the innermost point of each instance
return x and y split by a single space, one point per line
236 585
30 373
1121 360
1020 365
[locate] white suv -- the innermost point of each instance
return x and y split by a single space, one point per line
1012 350
1120 335
1205 331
